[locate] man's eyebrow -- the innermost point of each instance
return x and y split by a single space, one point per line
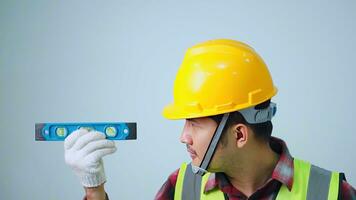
193 120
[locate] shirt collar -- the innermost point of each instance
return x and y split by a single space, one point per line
283 171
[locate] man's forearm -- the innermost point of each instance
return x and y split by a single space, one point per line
95 193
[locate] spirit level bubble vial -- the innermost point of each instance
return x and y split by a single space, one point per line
59 131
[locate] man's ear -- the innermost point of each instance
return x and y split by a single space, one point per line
241 134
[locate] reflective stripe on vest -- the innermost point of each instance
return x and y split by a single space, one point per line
309 183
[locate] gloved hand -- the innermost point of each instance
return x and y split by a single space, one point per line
83 152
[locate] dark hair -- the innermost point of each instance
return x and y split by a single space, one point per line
262 131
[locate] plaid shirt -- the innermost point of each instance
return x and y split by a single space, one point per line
282 174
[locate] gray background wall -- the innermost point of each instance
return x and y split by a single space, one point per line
65 61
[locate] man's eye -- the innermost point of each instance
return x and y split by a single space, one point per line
195 124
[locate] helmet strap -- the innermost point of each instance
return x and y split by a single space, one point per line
202 169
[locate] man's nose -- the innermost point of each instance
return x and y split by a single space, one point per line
186 137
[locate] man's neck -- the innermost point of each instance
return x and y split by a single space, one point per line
255 171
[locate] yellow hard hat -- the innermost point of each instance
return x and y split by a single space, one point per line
219 76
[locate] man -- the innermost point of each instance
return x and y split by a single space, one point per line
223 90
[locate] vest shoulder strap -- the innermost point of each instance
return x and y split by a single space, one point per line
191 186
311 183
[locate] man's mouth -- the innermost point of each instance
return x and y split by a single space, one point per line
193 154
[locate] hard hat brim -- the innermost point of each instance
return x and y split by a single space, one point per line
175 112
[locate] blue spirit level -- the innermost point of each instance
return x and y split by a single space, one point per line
59 131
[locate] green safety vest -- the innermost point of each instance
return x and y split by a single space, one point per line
309 183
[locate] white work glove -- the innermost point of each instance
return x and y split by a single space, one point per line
83 152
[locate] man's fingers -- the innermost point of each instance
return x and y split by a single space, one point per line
95 145
73 137
87 138
98 154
